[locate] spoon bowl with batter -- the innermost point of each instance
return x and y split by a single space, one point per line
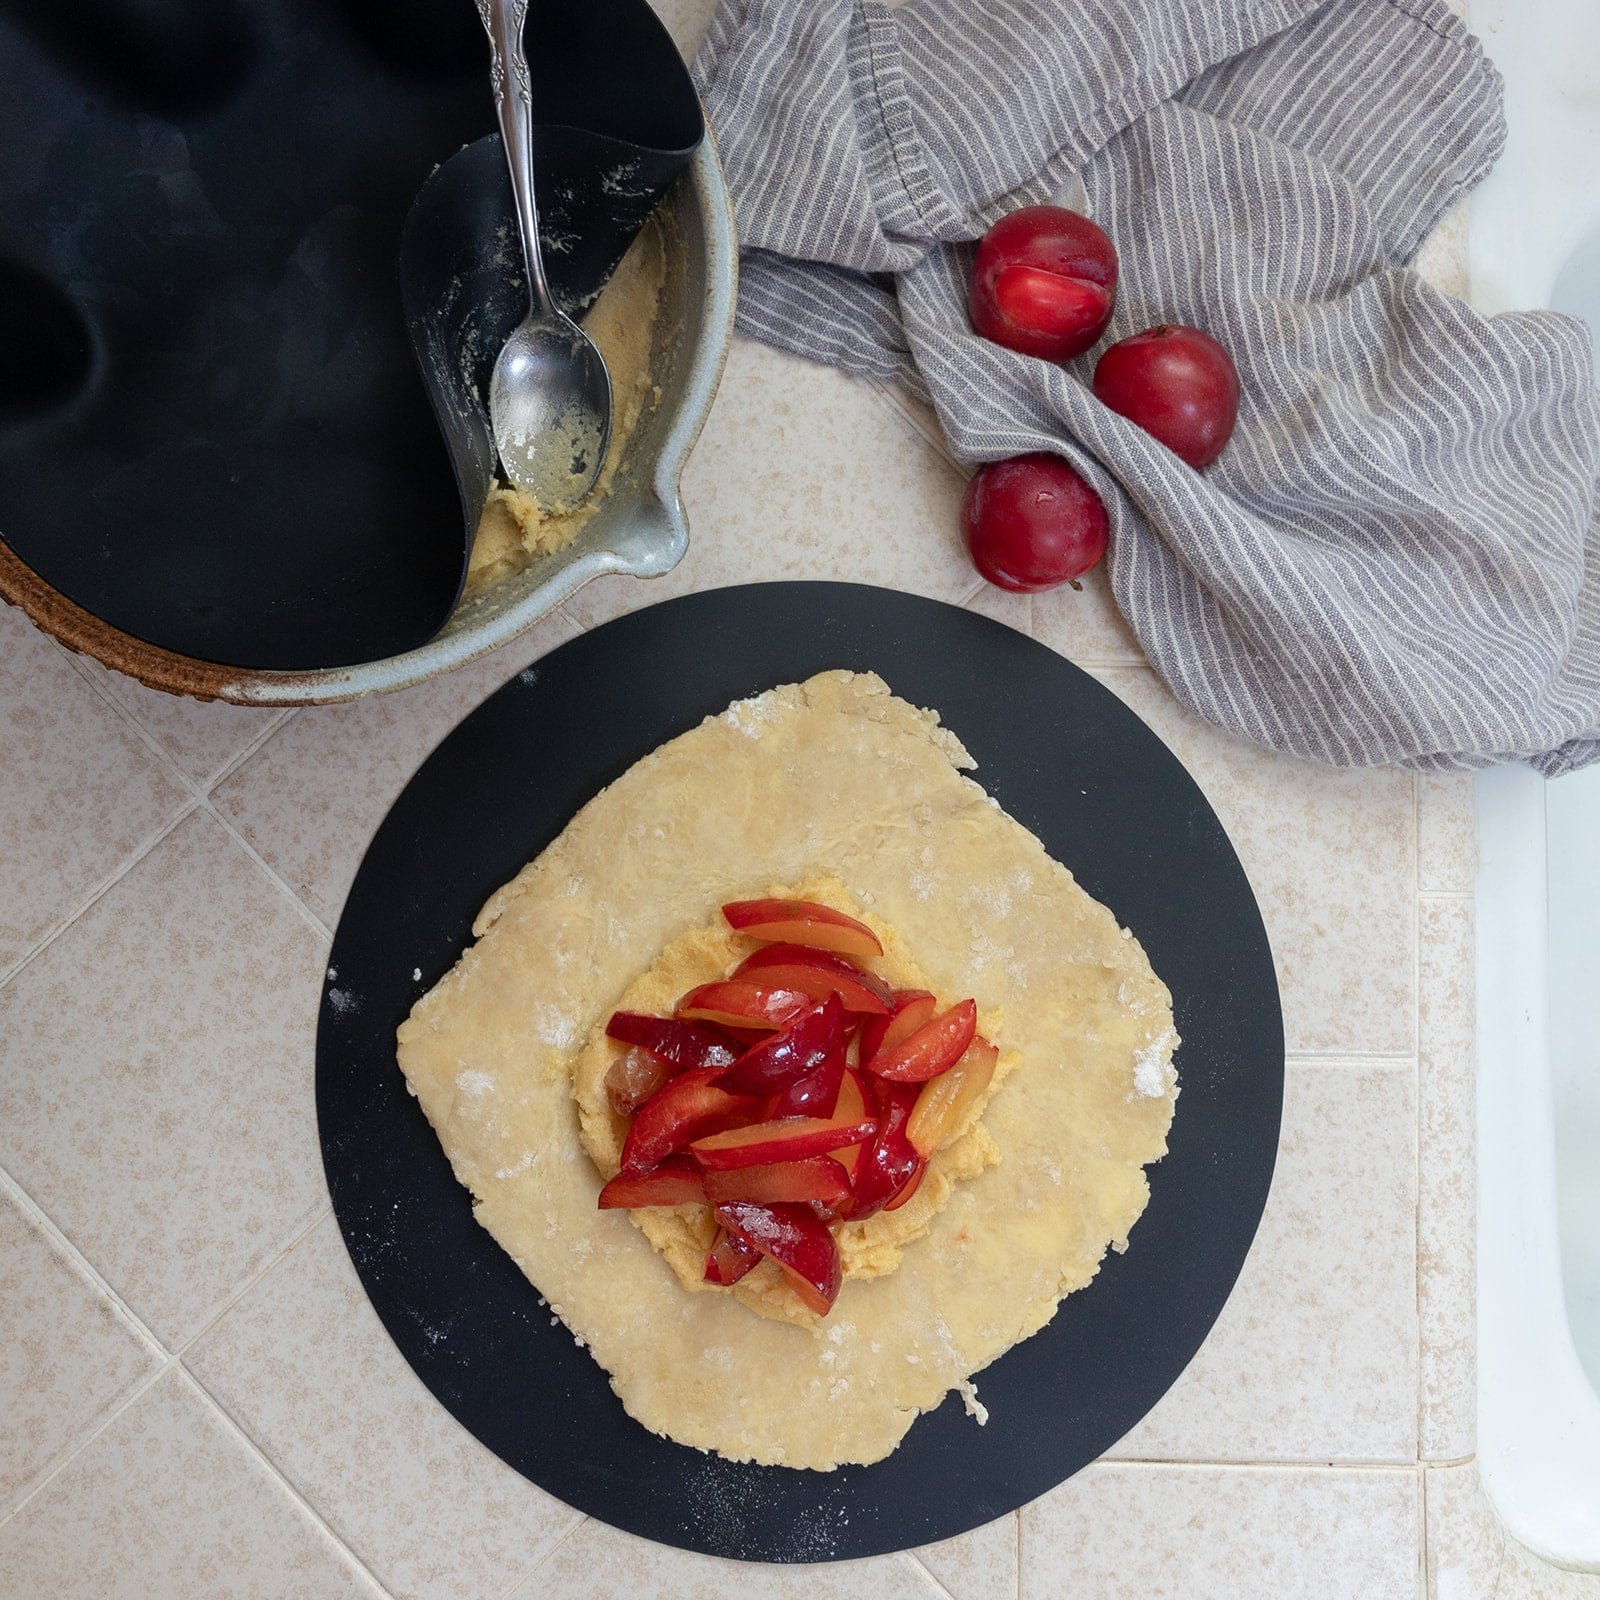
550 393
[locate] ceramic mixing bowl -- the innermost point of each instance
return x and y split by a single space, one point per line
639 529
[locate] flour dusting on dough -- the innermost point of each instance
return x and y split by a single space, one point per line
750 716
1152 1076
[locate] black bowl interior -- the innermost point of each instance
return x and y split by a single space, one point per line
213 432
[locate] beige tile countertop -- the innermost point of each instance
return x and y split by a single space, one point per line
196 1399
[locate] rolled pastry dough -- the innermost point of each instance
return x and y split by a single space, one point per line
833 779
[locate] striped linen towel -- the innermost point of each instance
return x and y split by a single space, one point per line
1394 560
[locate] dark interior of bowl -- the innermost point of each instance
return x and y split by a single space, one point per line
214 434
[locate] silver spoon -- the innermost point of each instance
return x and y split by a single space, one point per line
550 394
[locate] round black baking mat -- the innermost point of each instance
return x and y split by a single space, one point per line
1065 758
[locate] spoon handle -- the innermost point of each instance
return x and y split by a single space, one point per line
513 99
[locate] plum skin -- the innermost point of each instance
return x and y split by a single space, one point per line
1031 523
1177 383
1044 283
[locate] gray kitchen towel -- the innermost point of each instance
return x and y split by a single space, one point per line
1394 561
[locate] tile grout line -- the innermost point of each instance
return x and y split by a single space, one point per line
167 1360
566 616
1416 1131
175 1362
202 795
109 697
208 803
522 1578
291 1243
238 760
889 393
140 1389
33 1212
42 1219
921 1566
209 806
101 684
273 1471
199 801
1122 663
1342 1061
1422 1531
186 810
